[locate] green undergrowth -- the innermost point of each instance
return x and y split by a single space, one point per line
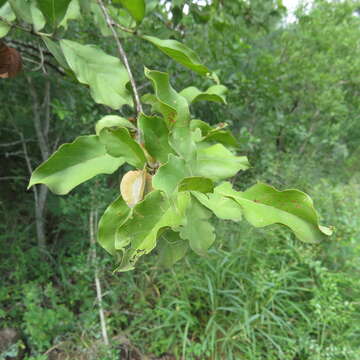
259 294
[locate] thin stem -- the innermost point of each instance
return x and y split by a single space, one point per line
30 31
122 56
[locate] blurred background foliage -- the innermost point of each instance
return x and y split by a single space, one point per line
259 294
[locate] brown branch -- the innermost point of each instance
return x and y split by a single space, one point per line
122 56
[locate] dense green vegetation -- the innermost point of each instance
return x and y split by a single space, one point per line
259 293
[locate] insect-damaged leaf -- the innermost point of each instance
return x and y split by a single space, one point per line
155 213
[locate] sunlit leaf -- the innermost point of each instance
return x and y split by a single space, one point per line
263 205
73 164
216 162
7 13
29 12
136 8
105 74
222 206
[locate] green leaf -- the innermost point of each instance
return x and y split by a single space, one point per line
156 137
197 228
2 2
28 12
119 143
196 183
180 53
113 121
170 174
175 110
223 207
114 216
6 13
149 218
136 8
73 164
264 205
99 19
55 50
173 106
53 10
105 74
216 162
214 93
171 248
72 13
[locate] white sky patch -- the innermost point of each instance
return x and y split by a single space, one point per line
291 6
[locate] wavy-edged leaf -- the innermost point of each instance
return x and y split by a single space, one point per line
196 183
197 228
119 143
180 53
214 93
53 10
114 216
156 137
73 164
105 75
113 121
264 205
151 216
171 248
216 162
7 13
170 174
222 206
173 106
136 8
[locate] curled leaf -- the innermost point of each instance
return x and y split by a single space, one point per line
134 185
